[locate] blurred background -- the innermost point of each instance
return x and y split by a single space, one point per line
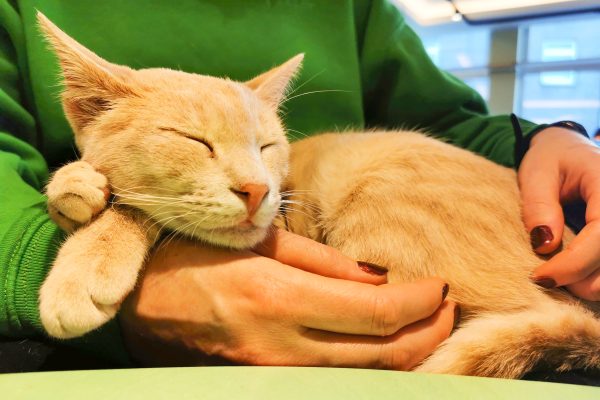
537 58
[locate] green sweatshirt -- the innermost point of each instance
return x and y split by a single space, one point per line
370 65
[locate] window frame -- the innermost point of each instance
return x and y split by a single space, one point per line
524 67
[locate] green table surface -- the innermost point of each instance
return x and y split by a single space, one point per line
274 383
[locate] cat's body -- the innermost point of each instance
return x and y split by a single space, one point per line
207 156
424 208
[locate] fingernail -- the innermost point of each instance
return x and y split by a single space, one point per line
547 283
456 316
541 235
371 268
445 290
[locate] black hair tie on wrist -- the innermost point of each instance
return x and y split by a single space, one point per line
522 142
520 148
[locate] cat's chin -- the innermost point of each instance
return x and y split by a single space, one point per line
233 237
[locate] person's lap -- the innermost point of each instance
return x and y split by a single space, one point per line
35 355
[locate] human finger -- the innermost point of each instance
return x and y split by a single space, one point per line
575 263
589 288
308 255
353 308
539 182
402 350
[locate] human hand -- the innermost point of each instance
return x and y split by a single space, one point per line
562 166
196 300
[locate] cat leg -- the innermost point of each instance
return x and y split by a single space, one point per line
95 269
76 193
558 335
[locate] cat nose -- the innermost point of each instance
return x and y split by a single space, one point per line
252 194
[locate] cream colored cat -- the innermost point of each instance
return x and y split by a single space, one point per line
200 155
399 199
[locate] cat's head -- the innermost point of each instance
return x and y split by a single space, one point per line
201 155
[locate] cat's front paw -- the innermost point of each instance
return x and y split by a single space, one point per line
76 299
95 269
76 194
68 309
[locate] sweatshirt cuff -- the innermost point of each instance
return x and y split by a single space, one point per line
30 245
32 248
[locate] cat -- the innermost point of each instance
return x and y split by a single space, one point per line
200 155
400 199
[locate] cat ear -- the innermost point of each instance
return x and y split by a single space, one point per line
91 83
273 84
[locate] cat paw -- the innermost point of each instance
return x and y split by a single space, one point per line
68 310
76 194
74 304
87 285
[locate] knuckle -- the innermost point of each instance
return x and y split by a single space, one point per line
329 253
535 203
384 315
578 270
265 297
396 358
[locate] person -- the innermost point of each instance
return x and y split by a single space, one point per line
371 70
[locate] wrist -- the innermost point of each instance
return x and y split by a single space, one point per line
558 133
560 130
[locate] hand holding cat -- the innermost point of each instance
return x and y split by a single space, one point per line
563 166
253 309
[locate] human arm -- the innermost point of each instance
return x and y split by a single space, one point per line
251 309
27 236
402 88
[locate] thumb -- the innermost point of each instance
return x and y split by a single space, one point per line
539 181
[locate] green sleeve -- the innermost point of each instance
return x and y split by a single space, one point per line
28 238
402 88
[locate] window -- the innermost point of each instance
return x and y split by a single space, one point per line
553 50
558 71
552 74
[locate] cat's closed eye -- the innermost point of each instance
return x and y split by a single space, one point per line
266 146
204 142
188 136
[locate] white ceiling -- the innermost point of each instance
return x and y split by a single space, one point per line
428 12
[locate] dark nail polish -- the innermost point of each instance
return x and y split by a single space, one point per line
541 235
371 268
456 316
445 290
544 282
